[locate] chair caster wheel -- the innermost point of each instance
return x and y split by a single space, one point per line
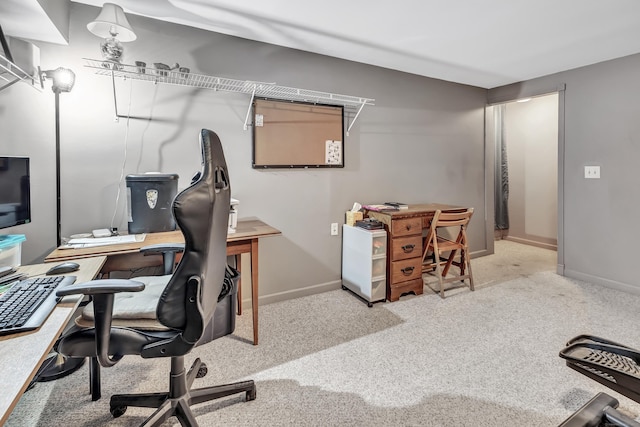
344 288
117 411
369 304
202 371
251 394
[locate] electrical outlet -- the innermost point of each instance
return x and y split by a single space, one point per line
334 228
592 172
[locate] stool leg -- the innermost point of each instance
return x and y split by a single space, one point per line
468 261
439 273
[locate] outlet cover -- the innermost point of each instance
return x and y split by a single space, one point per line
334 228
592 172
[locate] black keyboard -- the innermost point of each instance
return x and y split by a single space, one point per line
27 304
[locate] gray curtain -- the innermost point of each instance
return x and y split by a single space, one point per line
502 172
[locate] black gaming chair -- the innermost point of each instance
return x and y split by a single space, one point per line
185 307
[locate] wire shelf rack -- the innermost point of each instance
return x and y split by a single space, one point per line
10 73
352 104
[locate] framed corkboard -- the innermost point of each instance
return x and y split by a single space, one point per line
290 134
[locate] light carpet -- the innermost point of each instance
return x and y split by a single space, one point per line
483 358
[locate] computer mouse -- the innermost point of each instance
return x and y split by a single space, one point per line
65 267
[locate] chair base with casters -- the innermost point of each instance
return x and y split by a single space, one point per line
178 400
56 366
611 364
441 251
223 322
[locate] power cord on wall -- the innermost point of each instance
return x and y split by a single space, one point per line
126 139
124 160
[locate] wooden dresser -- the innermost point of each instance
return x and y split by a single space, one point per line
404 249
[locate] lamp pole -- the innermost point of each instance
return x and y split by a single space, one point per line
55 365
56 91
63 80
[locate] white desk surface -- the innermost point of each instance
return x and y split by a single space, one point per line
22 354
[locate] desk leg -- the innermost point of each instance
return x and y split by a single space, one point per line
254 288
239 268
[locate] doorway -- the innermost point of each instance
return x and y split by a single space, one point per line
527 171
525 142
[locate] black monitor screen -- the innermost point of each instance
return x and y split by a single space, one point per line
15 201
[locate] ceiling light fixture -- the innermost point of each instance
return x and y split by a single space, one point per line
112 25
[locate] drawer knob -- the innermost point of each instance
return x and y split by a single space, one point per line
407 271
408 227
408 248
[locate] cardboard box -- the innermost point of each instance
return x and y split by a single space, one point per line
352 217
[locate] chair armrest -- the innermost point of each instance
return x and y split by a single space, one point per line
168 252
102 286
102 292
162 247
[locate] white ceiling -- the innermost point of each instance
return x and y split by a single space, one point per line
485 43
28 20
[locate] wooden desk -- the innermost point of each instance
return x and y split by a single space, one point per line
22 354
127 256
404 250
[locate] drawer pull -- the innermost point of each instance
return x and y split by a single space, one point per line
408 248
408 227
407 271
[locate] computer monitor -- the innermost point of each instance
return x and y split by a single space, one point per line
15 191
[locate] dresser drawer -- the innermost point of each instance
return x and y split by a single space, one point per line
406 247
409 269
406 226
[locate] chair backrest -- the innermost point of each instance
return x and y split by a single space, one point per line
201 212
444 219
452 218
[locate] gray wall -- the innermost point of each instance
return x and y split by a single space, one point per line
531 132
599 126
423 141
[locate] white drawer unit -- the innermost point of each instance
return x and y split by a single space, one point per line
364 263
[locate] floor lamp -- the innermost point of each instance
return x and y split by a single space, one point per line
63 80
56 366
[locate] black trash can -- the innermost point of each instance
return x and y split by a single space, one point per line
149 199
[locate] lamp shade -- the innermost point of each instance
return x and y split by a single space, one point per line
112 22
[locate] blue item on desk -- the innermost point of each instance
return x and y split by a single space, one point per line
65 267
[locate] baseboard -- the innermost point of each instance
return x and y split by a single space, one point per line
480 253
532 243
317 289
612 284
294 293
